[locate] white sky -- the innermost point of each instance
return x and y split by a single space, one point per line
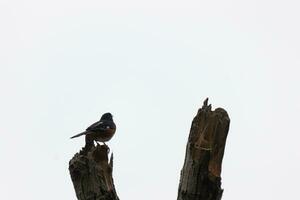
64 63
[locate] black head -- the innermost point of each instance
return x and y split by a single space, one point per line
107 116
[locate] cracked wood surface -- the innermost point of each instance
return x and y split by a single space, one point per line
201 173
91 174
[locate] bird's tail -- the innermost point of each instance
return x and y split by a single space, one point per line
80 134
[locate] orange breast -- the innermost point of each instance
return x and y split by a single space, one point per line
106 135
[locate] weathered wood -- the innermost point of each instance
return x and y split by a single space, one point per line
201 173
91 173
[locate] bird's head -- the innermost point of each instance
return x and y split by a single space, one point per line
107 116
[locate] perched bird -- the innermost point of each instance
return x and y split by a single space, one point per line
101 131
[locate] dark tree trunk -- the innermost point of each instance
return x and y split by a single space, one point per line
201 173
91 173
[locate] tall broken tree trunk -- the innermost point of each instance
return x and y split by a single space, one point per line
201 173
91 173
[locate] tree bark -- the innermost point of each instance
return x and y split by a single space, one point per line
201 173
91 173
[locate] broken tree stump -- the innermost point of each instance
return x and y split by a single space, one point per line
201 173
91 173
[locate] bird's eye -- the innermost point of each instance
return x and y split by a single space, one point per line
107 127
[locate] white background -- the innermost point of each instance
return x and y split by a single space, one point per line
64 63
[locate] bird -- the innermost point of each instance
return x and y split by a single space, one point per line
100 131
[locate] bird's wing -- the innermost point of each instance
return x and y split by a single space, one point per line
100 125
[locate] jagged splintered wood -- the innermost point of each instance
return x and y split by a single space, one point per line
91 173
201 173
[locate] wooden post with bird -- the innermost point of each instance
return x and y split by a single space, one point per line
90 169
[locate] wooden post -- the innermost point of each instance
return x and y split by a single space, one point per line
91 173
201 173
